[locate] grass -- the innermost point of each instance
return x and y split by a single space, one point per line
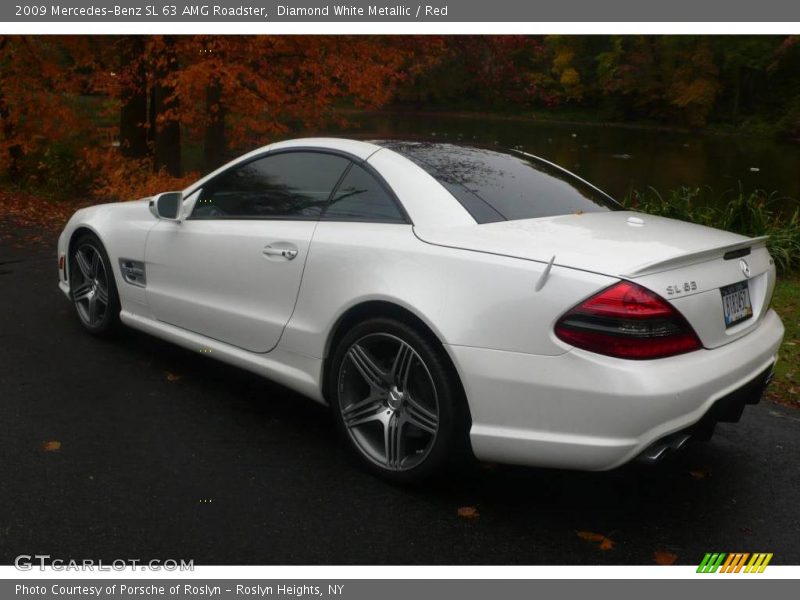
785 388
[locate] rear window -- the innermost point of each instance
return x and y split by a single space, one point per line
504 186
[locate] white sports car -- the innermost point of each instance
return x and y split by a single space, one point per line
444 300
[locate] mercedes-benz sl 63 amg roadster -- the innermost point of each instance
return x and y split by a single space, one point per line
445 301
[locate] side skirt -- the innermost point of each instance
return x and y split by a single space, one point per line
296 371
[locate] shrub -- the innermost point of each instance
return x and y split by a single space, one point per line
120 179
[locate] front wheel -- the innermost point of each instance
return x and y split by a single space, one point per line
92 286
397 401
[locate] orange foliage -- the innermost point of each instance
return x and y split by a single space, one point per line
665 557
34 87
694 85
603 542
269 82
69 90
120 178
468 512
28 211
51 446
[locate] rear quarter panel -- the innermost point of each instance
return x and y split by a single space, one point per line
467 298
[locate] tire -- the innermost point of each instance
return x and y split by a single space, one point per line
397 401
92 286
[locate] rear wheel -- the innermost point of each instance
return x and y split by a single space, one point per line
92 286
397 401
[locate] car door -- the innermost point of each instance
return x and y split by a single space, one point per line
232 269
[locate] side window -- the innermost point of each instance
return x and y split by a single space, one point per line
360 197
286 185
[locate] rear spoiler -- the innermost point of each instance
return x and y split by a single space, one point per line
693 258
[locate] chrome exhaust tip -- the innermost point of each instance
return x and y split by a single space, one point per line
661 448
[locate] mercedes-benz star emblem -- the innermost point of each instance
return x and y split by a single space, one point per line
745 268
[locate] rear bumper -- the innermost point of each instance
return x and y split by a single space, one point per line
585 411
727 409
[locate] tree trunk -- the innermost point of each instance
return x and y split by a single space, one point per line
214 142
151 118
14 149
167 135
738 91
133 112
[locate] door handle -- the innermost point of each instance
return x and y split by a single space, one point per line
287 253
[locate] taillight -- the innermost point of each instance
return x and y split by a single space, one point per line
628 321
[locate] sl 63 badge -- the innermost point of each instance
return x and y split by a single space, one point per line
681 288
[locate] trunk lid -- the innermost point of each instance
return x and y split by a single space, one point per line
684 263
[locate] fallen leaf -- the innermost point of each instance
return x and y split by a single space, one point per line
171 377
51 446
468 512
664 557
603 542
590 536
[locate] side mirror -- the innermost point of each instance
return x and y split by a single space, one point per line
167 205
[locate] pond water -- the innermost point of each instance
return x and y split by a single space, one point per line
616 159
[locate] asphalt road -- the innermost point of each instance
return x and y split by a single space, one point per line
167 454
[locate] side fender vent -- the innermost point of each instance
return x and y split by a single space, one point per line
133 272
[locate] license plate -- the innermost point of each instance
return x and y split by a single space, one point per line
736 303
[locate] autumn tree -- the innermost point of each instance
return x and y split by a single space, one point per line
257 87
132 92
215 140
165 106
12 144
126 114
475 71
224 94
38 111
629 75
785 86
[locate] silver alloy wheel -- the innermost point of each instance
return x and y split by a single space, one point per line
89 283
388 401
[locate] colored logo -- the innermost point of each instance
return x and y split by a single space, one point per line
735 562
